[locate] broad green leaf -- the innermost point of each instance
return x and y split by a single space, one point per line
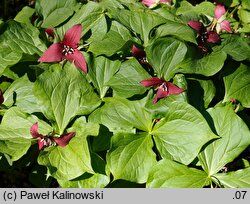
235 46
51 10
86 181
234 139
235 179
115 40
244 15
182 133
190 12
16 41
88 15
15 137
72 160
126 82
101 70
25 15
237 85
119 114
139 21
131 157
200 92
64 93
22 38
207 65
20 93
170 174
164 54
176 29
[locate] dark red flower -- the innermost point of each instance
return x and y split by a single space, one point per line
164 88
139 54
204 36
1 97
48 141
67 49
50 32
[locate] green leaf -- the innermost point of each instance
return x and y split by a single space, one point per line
244 15
119 114
51 10
170 174
115 40
235 137
200 92
164 54
182 133
15 137
16 41
189 12
139 21
131 157
235 46
237 85
72 160
126 81
207 65
101 70
20 93
25 15
237 179
88 15
86 181
176 29
64 93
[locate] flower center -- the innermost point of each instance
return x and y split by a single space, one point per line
47 142
67 50
164 86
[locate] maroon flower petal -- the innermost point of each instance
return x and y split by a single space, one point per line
161 93
219 11
225 25
173 90
72 36
213 37
78 59
154 81
40 142
138 53
34 132
50 32
53 53
197 25
64 139
1 97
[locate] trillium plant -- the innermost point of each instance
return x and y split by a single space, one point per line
126 93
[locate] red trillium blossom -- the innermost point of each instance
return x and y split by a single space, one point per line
152 3
222 24
139 54
48 141
164 88
67 49
1 97
204 36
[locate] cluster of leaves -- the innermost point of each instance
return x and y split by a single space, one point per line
197 138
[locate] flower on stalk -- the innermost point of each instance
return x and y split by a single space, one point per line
205 36
153 3
220 22
164 88
47 140
1 97
139 54
67 49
